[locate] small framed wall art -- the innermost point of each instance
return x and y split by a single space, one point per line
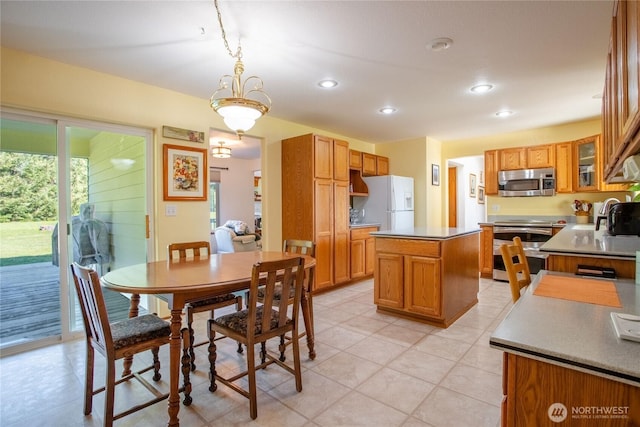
435 174
184 173
480 194
184 134
472 185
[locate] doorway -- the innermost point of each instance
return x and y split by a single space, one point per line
84 185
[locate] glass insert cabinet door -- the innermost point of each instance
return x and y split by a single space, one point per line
586 162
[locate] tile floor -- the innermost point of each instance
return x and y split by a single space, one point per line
371 370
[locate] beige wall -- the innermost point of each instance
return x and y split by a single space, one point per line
38 84
558 205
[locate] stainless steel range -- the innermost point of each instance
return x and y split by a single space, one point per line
532 233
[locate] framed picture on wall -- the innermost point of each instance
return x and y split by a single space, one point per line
480 194
472 185
435 174
184 173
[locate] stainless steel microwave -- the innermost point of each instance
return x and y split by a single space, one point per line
527 182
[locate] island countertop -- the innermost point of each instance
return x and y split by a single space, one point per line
572 334
583 239
427 233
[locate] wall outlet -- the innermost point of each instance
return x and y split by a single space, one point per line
495 208
171 210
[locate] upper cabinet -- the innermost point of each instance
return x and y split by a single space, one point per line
586 165
564 167
512 159
355 160
382 165
541 156
621 100
578 165
491 167
368 164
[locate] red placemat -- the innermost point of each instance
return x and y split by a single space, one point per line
602 292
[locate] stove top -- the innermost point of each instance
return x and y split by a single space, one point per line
524 223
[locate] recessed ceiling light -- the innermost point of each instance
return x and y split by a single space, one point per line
504 113
388 110
327 84
439 44
481 88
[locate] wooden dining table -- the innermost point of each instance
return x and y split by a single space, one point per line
181 281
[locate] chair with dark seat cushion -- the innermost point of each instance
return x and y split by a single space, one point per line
116 341
258 323
303 247
195 250
518 270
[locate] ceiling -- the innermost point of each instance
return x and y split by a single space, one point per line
546 59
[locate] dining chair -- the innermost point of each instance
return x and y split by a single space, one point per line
260 322
303 247
197 250
116 341
517 271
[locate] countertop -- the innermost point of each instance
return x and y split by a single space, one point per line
433 233
364 225
572 334
584 239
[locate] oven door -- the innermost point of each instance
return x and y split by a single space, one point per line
537 261
532 238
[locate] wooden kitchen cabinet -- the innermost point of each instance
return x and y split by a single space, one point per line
431 280
564 167
585 165
369 166
541 156
315 202
512 159
621 99
531 386
362 252
355 160
486 251
491 172
373 165
382 165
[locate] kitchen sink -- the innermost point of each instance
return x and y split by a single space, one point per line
584 227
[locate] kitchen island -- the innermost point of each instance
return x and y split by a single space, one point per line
583 244
426 274
562 358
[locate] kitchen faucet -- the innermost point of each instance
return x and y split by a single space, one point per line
607 204
604 211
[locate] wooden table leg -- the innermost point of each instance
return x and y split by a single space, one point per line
307 314
175 344
133 312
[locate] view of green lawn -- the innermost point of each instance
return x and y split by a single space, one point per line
25 242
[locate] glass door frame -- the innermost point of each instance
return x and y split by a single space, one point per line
64 206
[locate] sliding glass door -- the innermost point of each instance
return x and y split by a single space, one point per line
71 192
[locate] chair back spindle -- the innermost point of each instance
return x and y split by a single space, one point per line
193 249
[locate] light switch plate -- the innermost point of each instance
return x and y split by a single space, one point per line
171 210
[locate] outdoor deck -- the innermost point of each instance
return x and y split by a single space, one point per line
30 303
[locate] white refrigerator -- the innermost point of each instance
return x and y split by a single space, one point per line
390 202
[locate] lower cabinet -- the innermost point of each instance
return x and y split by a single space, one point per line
362 252
531 387
486 251
435 281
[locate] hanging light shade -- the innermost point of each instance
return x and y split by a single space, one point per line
221 152
239 108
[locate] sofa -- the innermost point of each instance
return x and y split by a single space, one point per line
232 238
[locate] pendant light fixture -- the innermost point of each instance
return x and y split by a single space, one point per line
221 152
239 108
